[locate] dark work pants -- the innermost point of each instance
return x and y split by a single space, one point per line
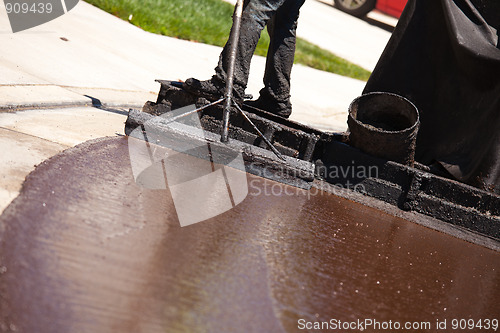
281 18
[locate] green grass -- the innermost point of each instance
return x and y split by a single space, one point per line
209 22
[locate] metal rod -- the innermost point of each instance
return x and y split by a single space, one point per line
273 148
235 36
171 120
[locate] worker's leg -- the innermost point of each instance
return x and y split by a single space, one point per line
275 96
256 14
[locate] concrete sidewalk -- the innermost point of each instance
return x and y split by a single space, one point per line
89 53
88 58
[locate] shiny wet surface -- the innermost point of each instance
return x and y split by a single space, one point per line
85 249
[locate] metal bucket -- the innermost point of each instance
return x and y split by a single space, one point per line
384 125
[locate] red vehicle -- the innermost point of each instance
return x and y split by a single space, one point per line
362 7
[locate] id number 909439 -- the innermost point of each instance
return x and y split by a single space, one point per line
471 324
25 8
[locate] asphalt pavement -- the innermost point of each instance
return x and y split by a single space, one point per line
74 78
87 249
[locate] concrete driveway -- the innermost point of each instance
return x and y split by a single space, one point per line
360 41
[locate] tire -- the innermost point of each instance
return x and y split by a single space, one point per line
357 8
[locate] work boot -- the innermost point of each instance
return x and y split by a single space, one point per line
282 109
213 89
